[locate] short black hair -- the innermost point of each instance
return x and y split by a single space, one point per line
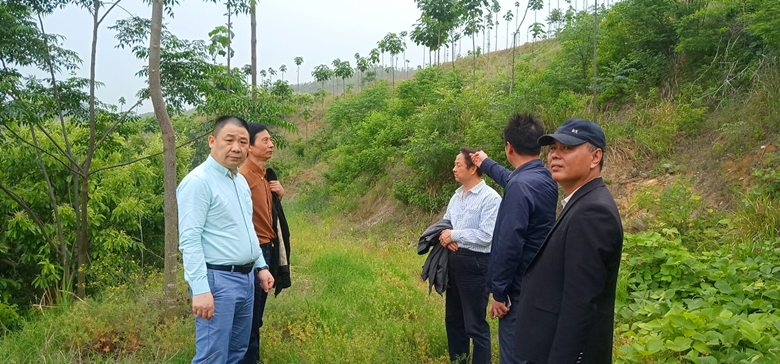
228 119
523 132
466 154
254 129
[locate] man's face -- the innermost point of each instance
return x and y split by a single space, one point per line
229 148
263 148
460 171
570 164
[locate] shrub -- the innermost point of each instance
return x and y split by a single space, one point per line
709 307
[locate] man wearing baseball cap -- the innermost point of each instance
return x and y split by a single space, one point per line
567 305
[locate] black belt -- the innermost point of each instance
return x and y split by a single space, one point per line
470 253
243 269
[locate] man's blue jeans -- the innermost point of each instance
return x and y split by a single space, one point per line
507 346
224 338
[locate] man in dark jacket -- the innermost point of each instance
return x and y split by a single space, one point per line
526 215
567 303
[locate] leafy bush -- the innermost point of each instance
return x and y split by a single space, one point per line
707 307
677 207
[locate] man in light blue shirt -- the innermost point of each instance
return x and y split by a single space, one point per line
472 211
219 246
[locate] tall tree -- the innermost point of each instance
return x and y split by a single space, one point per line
373 57
282 70
496 8
253 42
531 5
298 62
393 45
321 74
271 73
343 70
169 161
508 18
403 35
437 18
234 7
486 33
361 63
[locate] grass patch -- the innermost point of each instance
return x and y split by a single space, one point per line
356 298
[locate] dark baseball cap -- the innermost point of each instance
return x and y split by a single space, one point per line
575 132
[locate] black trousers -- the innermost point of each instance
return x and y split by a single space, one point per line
466 307
252 355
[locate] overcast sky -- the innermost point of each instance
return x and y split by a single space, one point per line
317 30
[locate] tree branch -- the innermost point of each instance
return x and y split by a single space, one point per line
108 11
68 166
34 217
116 123
149 156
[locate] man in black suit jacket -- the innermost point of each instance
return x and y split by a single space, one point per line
567 304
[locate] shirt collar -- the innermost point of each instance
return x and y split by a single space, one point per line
475 190
566 200
536 163
212 163
252 166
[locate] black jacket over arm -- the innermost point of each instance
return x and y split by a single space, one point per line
279 268
567 304
435 268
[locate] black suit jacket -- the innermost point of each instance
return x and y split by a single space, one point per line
567 305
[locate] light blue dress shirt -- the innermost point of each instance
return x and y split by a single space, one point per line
473 217
215 222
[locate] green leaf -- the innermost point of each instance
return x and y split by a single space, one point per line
680 343
705 360
723 286
701 347
747 330
773 294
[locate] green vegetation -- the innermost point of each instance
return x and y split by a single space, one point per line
360 302
686 93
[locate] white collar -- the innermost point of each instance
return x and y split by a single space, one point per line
566 200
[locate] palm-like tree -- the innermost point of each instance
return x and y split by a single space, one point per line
271 74
282 70
496 8
262 74
403 44
373 57
322 73
298 62
508 17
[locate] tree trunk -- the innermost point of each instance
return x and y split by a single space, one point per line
83 238
298 84
595 58
63 248
514 47
63 252
483 42
496 31
230 44
169 161
474 54
253 17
